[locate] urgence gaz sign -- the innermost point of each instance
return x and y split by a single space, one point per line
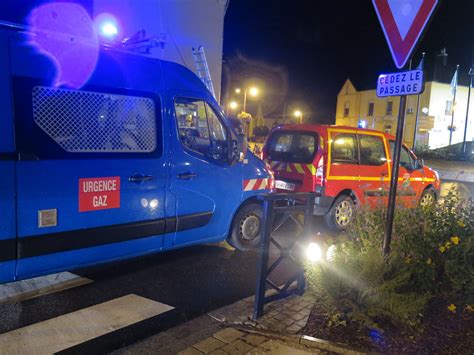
99 193
402 83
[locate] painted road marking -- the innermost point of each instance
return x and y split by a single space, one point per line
39 286
68 330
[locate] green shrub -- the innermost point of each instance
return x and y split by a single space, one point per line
432 256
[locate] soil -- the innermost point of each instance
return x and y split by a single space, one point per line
441 332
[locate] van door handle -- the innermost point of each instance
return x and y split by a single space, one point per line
139 178
384 173
187 175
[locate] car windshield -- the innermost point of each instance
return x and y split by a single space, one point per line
294 147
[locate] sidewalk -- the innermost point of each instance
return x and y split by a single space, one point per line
230 330
453 170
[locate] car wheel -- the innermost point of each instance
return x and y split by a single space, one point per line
428 198
340 214
246 228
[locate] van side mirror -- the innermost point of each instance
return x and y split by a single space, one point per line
239 148
243 146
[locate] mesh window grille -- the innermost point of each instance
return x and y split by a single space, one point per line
93 122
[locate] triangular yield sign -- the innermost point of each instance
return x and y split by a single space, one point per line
403 22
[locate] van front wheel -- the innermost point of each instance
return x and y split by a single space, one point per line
246 228
340 214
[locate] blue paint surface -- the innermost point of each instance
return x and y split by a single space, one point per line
52 182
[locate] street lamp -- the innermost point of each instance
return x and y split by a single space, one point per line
233 105
299 114
253 91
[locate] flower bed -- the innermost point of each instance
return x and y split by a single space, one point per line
420 297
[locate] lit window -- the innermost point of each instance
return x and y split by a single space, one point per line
449 107
346 109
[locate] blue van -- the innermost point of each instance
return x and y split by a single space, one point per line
140 159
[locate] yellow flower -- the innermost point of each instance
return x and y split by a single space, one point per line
469 308
429 261
408 260
442 249
452 308
455 239
447 245
461 224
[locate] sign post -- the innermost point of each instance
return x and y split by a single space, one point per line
403 22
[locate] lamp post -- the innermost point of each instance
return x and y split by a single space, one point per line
253 91
299 114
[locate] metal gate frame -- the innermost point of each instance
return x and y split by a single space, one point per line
286 206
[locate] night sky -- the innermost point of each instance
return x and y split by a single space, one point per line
300 52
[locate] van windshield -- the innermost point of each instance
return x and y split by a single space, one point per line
294 147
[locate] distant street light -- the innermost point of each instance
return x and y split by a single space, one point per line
299 114
253 91
233 105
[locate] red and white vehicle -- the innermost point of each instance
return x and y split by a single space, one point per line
347 166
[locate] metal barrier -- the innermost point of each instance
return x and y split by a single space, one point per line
278 209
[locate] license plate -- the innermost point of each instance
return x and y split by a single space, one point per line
283 185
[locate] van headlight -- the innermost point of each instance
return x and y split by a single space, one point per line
314 253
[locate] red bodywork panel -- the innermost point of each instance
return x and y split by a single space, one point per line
368 183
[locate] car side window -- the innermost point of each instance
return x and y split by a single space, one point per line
406 159
344 149
372 150
200 129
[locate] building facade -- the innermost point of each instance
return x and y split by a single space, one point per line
364 109
183 24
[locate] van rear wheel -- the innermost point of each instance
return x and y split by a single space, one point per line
340 214
246 228
428 198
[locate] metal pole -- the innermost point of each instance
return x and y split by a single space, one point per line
417 109
245 100
463 149
392 198
453 108
416 121
263 254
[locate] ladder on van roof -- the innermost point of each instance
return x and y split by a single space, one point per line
202 68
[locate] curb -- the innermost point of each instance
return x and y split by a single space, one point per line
305 340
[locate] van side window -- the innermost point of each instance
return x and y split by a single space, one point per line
200 129
372 150
94 122
344 149
406 159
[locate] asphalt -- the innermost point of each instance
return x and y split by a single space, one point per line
193 280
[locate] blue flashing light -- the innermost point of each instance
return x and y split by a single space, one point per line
109 29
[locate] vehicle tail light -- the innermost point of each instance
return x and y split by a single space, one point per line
320 172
